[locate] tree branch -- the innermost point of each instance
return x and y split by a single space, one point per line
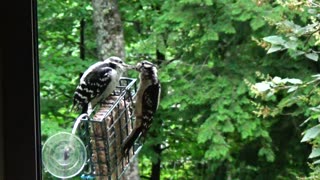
317 30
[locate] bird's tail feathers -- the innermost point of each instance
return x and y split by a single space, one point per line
129 142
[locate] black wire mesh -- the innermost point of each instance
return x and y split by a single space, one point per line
105 130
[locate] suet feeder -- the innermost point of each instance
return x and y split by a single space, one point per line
103 132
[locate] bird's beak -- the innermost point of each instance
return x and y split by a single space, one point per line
129 66
138 67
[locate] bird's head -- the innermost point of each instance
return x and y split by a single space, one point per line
117 62
146 67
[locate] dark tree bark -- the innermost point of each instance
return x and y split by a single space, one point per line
110 42
108 25
156 167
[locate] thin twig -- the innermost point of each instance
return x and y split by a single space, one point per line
317 30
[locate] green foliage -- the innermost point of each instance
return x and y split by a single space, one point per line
298 40
207 122
206 107
60 63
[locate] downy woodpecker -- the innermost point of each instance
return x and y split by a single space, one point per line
98 82
146 102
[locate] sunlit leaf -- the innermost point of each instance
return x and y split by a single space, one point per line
312 56
278 40
277 80
314 153
262 86
291 45
311 133
274 48
316 162
292 88
293 81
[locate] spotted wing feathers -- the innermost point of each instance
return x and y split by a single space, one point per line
92 86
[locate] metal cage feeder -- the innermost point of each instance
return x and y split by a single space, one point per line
105 129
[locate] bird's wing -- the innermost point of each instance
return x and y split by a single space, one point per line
150 102
97 80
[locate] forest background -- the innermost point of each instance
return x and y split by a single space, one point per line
240 96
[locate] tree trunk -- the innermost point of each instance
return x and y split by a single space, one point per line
156 166
109 32
110 42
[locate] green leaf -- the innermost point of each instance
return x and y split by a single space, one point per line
274 40
212 35
208 2
217 151
312 56
262 86
210 64
268 153
292 88
291 45
244 16
312 11
257 23
293 80
311 133
316 76
316 162
296 53
205 132
228 126
274 48
315 153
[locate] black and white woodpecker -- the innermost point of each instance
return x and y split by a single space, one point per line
98 82
146 102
